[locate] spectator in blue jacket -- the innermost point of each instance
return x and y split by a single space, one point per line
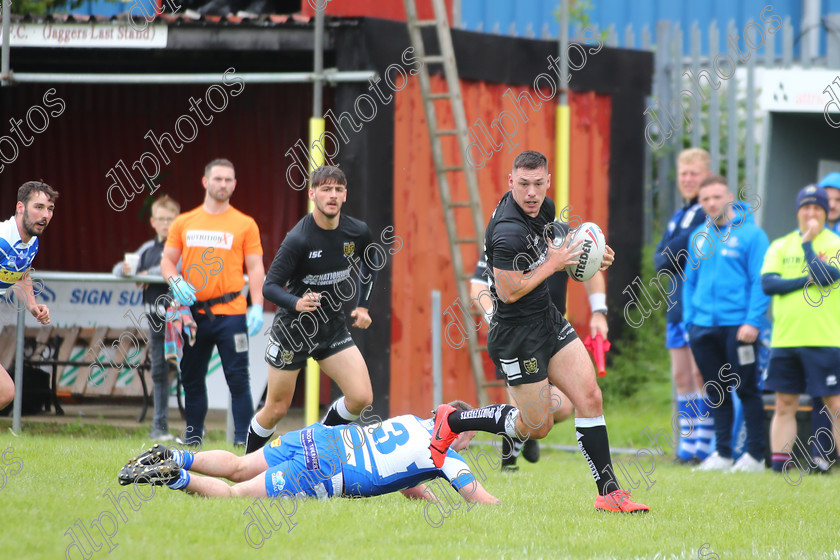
831 184
724 308
694 444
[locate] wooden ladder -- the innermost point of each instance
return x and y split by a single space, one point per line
443 171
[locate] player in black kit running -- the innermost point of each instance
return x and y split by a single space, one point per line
324 262
529 340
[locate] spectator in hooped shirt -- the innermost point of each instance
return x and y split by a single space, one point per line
724 309
18 247
695 440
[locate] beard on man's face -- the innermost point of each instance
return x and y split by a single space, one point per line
32 227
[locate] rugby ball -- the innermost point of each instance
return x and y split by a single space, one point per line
594 246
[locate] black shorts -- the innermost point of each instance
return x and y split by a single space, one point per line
290 345
521 350
814 370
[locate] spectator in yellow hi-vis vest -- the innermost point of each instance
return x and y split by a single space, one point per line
800 272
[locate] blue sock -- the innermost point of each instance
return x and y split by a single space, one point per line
779 460
183 459
688 444
705 428
182 481
818 421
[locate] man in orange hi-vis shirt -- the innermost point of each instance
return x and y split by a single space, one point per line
214 242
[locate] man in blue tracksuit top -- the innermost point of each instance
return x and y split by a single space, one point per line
831 184
694 444
724 308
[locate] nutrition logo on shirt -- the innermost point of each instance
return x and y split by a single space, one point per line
217 239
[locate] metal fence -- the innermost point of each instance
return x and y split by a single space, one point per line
711 100
685 109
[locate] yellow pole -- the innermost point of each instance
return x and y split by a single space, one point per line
563 122
561 158
563 125
313 372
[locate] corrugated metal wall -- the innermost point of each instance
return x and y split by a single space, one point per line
424 263
504 16
538 18
103 124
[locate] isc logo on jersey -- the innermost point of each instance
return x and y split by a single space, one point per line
277 481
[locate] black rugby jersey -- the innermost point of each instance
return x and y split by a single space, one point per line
515 241
330 262
557 282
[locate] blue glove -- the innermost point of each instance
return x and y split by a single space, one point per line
183 292
254 321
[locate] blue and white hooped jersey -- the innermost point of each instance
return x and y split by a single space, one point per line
15 256
324 461
394 455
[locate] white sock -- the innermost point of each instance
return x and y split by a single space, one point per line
510 424
259 430
342 411
516 448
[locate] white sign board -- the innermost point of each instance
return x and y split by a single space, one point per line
112 35
91 303
800 91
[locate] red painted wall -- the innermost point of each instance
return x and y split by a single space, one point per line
424 264
384 9
103 124
589 182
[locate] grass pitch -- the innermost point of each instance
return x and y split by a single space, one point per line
55 485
